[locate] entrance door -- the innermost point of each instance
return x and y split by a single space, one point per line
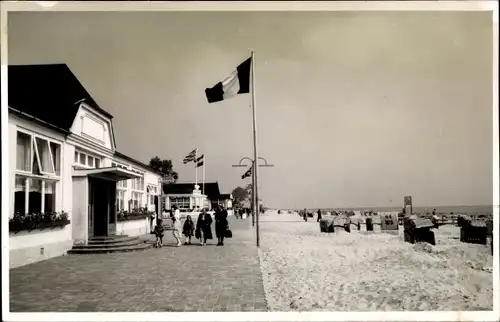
100 206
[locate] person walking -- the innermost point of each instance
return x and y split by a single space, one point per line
159 234
305 214
319 215
221 224
203 227
176 219
187 230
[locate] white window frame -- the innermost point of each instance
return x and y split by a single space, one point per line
138 183
122 199
139 196
78 154
186 201
44 175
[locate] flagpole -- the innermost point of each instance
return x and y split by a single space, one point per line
203 186
196 166
255 155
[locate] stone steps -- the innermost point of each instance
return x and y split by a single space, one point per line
111 241
110 244
131 242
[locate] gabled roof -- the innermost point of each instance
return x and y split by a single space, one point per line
50 94
211 189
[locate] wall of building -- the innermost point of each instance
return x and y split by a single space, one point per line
93 126
150 178
80 219
133 227
36 245
29 247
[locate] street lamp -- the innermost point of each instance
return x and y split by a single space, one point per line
255 194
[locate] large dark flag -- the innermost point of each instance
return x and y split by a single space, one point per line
247 174
236 83
191 157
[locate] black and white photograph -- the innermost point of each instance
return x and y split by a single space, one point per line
245 158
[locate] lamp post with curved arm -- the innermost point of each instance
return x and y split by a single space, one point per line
255 193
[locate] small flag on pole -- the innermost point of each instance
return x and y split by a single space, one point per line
236 83
247 174
191 157
200 160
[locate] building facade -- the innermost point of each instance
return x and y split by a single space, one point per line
190 196
63 162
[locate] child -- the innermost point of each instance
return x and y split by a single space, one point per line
188 229
159 234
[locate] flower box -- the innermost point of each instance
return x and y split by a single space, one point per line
30 226
134 215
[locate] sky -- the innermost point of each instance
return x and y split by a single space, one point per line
353 108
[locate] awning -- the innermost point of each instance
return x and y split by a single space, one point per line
111 173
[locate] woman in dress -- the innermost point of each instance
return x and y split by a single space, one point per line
221 224
176 219
203 227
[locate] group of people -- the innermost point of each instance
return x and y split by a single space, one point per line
242 213
202 230
305 214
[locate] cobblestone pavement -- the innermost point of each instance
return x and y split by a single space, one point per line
188 278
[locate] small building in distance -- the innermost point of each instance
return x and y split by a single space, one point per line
190 196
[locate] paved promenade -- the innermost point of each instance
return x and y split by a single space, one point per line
188 278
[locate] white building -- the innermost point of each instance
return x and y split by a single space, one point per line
189 196
63 158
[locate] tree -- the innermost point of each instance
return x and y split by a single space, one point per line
248 190
240 195
165 167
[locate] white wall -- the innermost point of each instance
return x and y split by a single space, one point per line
93 126
133 227
151 178
80 209
68 155
28 247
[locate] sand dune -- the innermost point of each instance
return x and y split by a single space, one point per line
305 270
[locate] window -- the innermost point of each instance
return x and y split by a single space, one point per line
120 200
38 165
151 199
56 157
23 157
138 184
37 155
136 200
86 160
33 195
180 202
83 159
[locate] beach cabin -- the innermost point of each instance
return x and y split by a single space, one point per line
67 181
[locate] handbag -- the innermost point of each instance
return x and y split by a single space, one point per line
228 233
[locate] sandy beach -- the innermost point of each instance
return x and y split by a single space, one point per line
305 270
